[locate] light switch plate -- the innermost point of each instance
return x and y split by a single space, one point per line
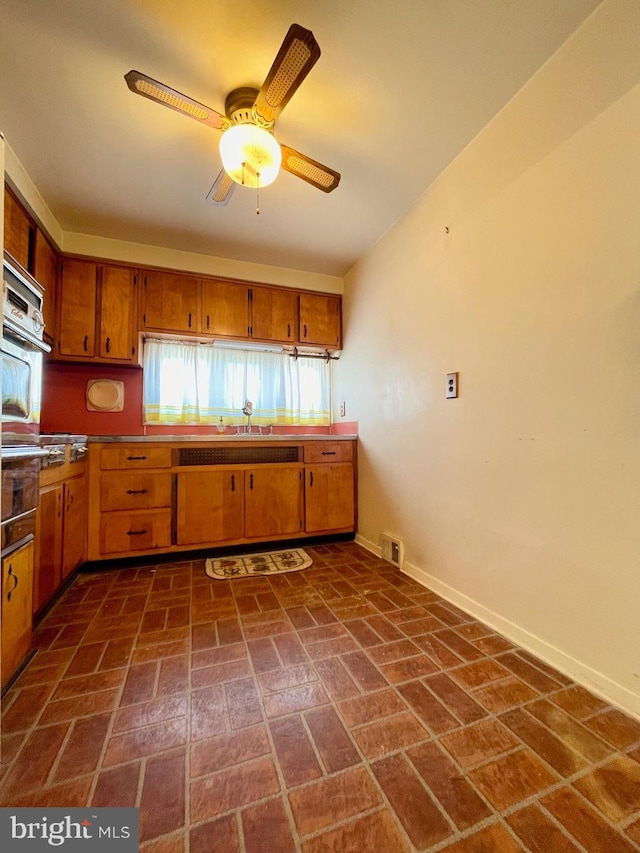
452 385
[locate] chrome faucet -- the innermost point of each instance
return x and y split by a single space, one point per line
248 411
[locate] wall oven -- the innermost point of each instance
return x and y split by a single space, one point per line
22 353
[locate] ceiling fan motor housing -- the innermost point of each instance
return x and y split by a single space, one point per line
238 106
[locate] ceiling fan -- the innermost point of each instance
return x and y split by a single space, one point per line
251 156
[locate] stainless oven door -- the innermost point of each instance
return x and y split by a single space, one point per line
21 390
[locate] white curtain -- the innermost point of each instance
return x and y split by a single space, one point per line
193 383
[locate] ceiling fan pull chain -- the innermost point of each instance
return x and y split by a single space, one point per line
258 193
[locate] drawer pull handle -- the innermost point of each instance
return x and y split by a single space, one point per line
233 482
137 491
136 458
328 453
85 343
251 481
108 344
207 321
310 478
136 532
12 574
189 320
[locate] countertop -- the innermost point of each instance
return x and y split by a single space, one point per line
218 438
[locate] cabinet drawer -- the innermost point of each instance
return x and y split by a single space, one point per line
135 456
141 490
328 451
123 532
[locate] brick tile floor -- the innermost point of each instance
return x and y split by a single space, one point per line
342 708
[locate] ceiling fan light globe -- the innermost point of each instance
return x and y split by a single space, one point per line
251 156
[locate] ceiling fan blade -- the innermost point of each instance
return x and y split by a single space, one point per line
297 56
222 189
140 84
309 170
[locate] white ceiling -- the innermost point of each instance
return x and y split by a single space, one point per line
401 87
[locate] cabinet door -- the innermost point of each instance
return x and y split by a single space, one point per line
17 228
74 531
44 272
329 497
273 500
170 302
117 313
274 314
17 585
48 563
320 320
77 308
225 309
209 506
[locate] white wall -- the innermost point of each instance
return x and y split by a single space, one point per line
520 500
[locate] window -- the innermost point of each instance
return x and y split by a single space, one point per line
193 383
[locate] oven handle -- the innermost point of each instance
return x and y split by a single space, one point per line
22 452
23 335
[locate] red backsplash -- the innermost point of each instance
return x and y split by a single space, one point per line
64 406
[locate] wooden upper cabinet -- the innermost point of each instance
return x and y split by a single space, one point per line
117 314
320 320
96 313
225 309
170 302
44 272
77 309
274 314
18 231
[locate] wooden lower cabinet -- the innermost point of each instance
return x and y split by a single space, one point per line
48 569
210 506
17 585
61 530
273 501
152 497
329 497
125 532
74 533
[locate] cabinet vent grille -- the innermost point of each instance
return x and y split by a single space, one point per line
236 455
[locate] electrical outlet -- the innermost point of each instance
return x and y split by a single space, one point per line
452 385
343 409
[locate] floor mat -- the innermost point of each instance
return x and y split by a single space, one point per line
265 563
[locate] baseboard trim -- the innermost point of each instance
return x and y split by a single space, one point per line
598 683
